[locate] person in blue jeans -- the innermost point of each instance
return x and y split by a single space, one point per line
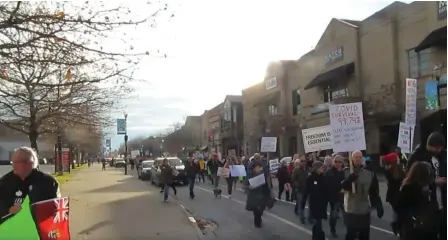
166 177
191 169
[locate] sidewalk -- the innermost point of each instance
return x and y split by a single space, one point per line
110 205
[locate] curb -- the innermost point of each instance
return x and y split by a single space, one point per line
191 219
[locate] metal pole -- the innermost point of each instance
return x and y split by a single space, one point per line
126 145
60 165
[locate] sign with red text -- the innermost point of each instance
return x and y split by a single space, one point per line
347 123
411 101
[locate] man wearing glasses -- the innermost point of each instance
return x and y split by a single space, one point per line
334 176
298 180
25 180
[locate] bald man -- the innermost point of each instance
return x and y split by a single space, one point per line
357 204
25 180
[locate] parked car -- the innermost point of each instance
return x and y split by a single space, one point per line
176 163
144 169
119 162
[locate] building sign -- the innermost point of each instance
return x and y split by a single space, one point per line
334 55
441 10
271 83
411 101
317 139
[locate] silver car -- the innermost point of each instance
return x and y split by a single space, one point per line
144 170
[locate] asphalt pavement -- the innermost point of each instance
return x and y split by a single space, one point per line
234 222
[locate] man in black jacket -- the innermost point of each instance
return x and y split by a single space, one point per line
213 165
334 176
191 169
435 154
24 180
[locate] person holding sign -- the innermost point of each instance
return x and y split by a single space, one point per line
213 166
259 196
357 203
231 180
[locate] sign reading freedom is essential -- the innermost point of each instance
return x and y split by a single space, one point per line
347 123
318 138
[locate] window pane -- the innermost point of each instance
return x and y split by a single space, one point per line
234 114
413 64
425 64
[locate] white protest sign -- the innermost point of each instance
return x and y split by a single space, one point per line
405 137
411 101
268 144
318 138
237 171
223 172
257 181
347 123
274 165
135 153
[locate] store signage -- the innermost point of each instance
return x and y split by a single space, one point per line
334 56
441 10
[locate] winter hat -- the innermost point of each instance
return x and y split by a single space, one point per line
390 158
317 165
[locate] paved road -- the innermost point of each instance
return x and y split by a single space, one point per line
279 223
45 168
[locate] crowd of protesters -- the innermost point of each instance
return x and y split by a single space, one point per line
416 189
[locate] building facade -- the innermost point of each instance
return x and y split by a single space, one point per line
364 61
214 131
231 135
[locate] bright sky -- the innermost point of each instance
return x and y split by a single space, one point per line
215 48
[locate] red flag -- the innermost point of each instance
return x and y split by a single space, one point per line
52 219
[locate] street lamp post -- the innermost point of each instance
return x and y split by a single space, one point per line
60 165
126 144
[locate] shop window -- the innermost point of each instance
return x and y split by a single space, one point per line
234 114
419 63
296 101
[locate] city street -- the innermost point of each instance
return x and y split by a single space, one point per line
234 222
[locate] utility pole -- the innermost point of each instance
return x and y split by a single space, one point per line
126 144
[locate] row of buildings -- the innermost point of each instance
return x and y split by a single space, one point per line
354 61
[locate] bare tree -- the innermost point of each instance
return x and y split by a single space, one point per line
55 71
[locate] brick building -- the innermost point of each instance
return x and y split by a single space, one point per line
214 130
231 135
355 61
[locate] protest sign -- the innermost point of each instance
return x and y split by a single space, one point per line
257 181
431 95
347 123
316 139
135 153
411 101
274 165
237 171
405 137
268 144
223 172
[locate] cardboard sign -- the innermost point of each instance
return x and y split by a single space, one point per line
405 137
318 138
268 144
223 172
411 101
274 165
237 171
347 122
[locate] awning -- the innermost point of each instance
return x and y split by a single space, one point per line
339 72
204 148
269 98
434 39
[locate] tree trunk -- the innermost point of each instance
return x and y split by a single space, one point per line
33 135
